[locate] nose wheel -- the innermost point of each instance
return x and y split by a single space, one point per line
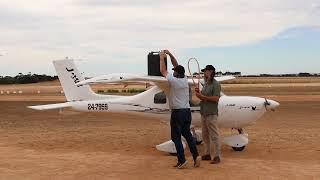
239 148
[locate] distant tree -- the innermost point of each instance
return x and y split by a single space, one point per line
304 75
7 80
24 79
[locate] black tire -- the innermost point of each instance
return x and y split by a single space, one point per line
238 148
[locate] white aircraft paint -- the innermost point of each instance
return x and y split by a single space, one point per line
234 111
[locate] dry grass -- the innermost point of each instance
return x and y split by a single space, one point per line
273 80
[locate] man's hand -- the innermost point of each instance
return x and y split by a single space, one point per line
166 51
197 90
163 69
173 59
162 54
200 96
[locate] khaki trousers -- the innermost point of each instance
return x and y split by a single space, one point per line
211 135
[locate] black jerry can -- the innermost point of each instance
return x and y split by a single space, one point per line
154 64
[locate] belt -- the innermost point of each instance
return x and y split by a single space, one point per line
182 109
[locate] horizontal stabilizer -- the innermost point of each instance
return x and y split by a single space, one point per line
169 147
51 106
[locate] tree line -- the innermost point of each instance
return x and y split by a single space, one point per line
286 75
26 78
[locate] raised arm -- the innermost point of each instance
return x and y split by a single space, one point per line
174 61
163 69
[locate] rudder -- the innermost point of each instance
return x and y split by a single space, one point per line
69 75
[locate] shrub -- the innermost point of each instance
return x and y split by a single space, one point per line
100 91
113 91
135 90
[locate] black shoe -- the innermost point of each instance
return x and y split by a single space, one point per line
178 164
216 160
206 157
181 165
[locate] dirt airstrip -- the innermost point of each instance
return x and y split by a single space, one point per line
66 145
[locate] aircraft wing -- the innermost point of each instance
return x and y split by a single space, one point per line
51 106
125 78
224 78
159 81
219 79
122 78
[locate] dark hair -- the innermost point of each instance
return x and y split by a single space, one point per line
179 71
178 75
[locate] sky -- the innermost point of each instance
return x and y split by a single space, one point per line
110 36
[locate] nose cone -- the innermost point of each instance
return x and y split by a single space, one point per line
271 104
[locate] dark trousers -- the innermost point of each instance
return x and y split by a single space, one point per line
180 125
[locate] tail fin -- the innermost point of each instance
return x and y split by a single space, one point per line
69 75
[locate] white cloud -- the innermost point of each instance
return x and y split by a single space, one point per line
124 31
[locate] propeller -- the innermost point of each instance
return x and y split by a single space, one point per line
266 103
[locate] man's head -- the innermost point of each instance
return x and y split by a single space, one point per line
178 71
209 72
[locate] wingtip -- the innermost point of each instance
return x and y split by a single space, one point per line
34 107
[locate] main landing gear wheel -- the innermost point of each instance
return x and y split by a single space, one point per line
238 148
240 131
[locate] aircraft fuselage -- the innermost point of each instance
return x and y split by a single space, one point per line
234 111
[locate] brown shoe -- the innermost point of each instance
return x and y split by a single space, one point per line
197 162
206 157
216 160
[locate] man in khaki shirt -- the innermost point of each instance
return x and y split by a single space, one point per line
209 97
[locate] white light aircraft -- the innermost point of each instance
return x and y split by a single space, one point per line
235 112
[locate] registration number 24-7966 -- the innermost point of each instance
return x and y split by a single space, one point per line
97 107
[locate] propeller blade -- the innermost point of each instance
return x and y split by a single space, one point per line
266 103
